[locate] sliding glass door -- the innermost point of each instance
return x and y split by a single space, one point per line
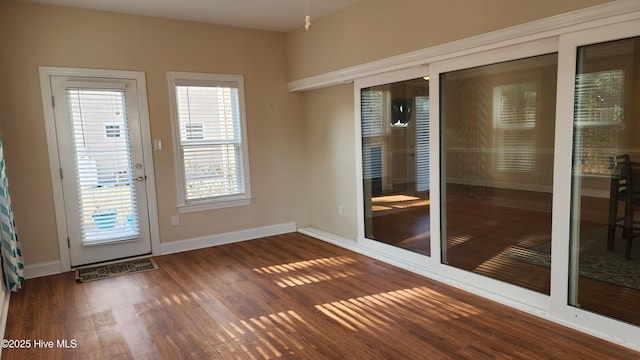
497 127
606 180
395 164
514 172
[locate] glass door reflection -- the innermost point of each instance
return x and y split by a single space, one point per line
606 180
497 139
395 161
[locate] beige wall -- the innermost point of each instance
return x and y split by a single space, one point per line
331 165
375 29
301 145
372 30
32 35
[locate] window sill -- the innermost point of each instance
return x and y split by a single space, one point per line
212 205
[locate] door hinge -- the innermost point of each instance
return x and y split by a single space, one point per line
53 101
61 177
68 243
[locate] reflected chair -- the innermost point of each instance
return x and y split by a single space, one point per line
625 188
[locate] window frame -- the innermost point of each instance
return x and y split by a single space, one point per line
216 201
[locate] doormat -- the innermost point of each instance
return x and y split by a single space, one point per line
595 261
116 269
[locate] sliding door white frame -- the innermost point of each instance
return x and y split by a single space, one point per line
534 301
603 326
408 258
554 306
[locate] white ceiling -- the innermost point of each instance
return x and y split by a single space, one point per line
275 15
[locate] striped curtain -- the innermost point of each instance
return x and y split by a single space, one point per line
12 265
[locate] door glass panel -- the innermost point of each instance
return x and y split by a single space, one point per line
395 164
498 125
606 175
102 152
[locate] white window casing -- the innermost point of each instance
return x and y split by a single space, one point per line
210 143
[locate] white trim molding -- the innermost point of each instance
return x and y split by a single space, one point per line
226 238
43 269
535 30
349 244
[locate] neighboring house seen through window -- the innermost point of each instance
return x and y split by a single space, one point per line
112 131
211 152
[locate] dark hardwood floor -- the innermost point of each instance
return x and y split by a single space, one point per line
287 296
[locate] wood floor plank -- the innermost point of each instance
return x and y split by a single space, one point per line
281 297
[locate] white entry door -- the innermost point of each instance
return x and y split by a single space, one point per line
98 130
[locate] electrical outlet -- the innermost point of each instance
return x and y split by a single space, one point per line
175 220
340 210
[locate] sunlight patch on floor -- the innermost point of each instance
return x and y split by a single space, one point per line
454 240
377 312
272 335
534 240
393 198
501 267
390 202
309 271
295 266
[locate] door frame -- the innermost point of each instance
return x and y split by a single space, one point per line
46 72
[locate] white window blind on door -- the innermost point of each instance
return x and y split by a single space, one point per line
106 198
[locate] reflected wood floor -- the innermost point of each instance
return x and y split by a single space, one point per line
288 296
481 231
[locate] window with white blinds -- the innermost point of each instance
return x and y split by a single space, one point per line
422 143
514 123
208 115
376 116
375 112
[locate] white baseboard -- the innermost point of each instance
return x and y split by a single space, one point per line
42 269
225 238
354 246
54 267
5 312
417 268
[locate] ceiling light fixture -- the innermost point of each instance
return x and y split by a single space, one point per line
307 19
